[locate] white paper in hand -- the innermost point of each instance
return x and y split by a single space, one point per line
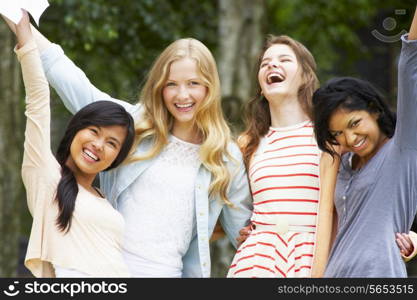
12 9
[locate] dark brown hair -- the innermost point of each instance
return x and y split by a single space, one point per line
98 113
257 113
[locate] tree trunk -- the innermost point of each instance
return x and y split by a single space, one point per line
11 141
240 39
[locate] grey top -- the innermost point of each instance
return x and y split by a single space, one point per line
380 199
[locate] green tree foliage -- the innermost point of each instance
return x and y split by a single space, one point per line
116 41
12 194
336 32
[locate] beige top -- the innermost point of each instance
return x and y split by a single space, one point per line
93 244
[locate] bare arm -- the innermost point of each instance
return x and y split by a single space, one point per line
413 29
325 223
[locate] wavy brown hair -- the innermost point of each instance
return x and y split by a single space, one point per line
257 112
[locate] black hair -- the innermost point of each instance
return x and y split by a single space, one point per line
98 113
350 94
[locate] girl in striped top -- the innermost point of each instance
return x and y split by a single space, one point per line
283 165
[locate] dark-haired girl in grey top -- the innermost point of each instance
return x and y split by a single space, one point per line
376 190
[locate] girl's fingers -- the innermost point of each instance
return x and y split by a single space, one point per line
245 231
405 248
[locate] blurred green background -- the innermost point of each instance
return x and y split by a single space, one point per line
115 42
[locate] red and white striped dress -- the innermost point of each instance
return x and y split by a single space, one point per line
284 178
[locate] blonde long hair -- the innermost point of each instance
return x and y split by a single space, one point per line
257 112
156 122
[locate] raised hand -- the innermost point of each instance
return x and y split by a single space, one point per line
413 29
23 32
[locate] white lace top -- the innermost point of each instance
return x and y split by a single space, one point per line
160 214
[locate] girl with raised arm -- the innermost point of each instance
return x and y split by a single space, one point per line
75 231
376 186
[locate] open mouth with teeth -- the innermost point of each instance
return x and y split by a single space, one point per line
90 155
275 78
184 107
359 145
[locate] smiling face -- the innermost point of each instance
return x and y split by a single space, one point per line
183 92
357 131
94 149
279 72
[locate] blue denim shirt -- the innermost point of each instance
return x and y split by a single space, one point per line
76 91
